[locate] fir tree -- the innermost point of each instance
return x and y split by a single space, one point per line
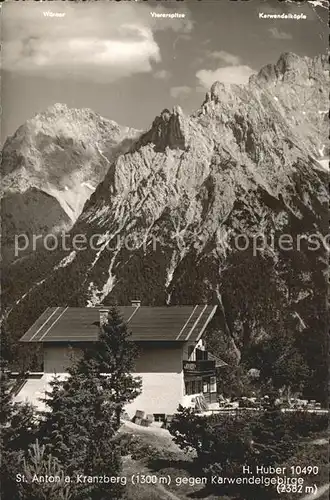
111 359
280 362
80 428
55 425
7 347
37 465
17 430
272 439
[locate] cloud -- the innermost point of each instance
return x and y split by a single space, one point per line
225 57
233 71
162 74
182 91
228 74
97 41
279 35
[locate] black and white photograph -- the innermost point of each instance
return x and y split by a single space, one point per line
164 249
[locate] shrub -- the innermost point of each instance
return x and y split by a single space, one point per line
39 465
304 423
223 444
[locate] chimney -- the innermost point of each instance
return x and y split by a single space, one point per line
135 303
103 312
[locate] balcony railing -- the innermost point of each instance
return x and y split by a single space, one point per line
199 367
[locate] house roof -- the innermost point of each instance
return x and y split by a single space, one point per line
81 324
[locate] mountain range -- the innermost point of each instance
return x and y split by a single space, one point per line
173 215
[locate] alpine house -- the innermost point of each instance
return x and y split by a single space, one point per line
173 363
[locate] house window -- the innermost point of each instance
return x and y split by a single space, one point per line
159 417
201 355
193 387
188 388
205 386
213 384
190 352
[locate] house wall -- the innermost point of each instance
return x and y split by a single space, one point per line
161 371
57 359
34 390
159 367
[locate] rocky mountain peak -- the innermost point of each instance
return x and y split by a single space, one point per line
169 129
61 111
52 165
219 94
220 91
291 65
56 108
292 68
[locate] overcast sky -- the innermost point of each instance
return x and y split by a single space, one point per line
127 65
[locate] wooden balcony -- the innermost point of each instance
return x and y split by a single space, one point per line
200 367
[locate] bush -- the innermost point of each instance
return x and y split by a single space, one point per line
190 431
272 438
39 464
221 447
304 423
223 444
17 429
134 446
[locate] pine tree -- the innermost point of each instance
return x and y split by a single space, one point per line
39 464
280 362
114 355
7 347
272 438
53 430
17 429
80 428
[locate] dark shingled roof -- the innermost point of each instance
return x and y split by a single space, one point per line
81 324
